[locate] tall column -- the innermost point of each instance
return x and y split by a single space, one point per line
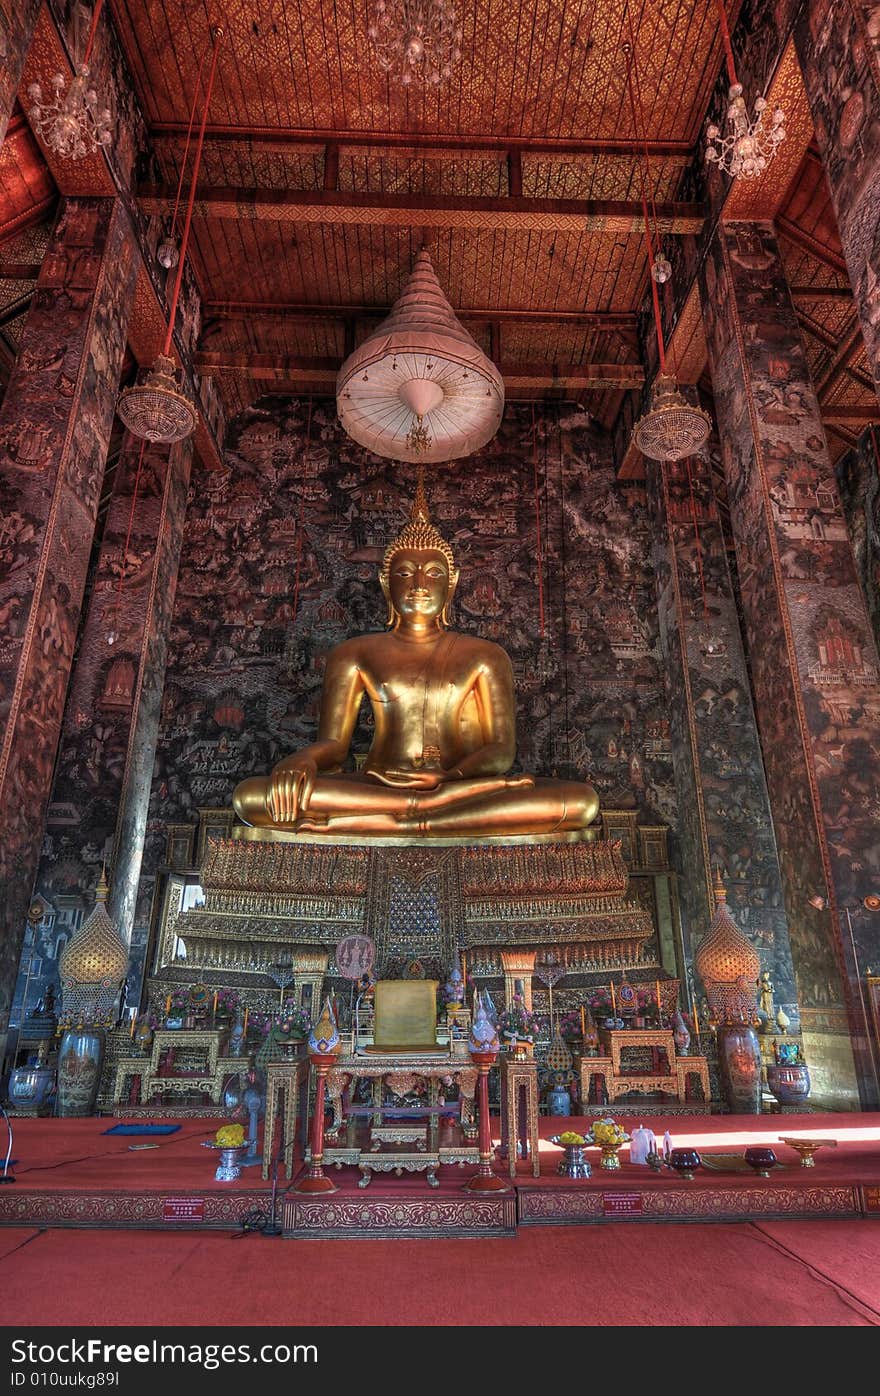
838 47
17 20
54 430
858 476
813 660
724 818
97 810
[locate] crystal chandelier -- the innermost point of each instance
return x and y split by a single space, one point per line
671 428
415 39
157 409
72 125
747 145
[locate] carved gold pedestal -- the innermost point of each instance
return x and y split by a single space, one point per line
519 1100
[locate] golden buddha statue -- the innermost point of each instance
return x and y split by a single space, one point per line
443 707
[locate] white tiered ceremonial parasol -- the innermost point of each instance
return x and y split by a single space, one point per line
419 388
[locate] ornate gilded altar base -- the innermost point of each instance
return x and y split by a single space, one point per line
267 897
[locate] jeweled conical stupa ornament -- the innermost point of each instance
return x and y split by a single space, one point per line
420 388
92 966
728 965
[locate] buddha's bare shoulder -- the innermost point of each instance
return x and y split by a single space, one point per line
478 650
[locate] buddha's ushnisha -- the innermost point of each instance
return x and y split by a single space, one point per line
443 709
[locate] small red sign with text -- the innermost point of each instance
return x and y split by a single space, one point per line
872 1198
184 1209
622 1204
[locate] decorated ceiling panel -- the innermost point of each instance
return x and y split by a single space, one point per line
525 69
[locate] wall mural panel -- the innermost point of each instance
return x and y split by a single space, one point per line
858 478
17 20
724 816
838 46
814 663
279 563
54 430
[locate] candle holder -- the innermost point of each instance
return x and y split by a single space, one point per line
315 1179
485 1179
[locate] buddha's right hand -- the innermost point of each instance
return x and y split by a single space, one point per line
290 788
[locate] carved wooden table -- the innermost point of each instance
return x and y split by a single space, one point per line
284 1079
208 1076
671 1079
399 1148
519 1112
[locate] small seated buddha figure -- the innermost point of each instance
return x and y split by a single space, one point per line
443 708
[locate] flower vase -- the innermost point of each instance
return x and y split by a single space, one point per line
610 1157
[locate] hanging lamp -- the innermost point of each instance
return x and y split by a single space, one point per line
158 409
420 388
748 144
72 126
671 428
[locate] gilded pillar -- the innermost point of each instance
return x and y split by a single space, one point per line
838 47
17 20
811 650
54 430
143 633
723 808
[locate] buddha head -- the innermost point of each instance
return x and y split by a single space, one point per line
418 575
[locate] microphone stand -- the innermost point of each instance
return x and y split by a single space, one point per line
274 1228
6 1176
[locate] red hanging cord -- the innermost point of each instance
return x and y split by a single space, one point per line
661 347
192 118
113 609
299 530
539 546
644 132
184 243
697 539
728 46
93 29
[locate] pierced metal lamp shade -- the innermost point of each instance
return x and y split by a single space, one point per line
419 388
671 429
157 410
728 965
92 966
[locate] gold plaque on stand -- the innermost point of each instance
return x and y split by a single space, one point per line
405 1015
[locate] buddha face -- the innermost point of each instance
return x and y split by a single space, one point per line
419 584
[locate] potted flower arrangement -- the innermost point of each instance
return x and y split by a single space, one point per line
570 1026
518 1027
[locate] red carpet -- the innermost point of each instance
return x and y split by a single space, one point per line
625 1275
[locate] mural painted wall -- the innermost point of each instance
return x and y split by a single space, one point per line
724 818
838 46
54 431
280 560
810 645
858 479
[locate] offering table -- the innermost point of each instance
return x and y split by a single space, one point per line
402 1146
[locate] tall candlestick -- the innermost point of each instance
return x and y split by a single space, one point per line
214 1006
244 1028
131 1028
613 1000
583 1022
167 1005
696 1018
464 972
659 1005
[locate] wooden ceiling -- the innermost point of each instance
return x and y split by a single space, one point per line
522 175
